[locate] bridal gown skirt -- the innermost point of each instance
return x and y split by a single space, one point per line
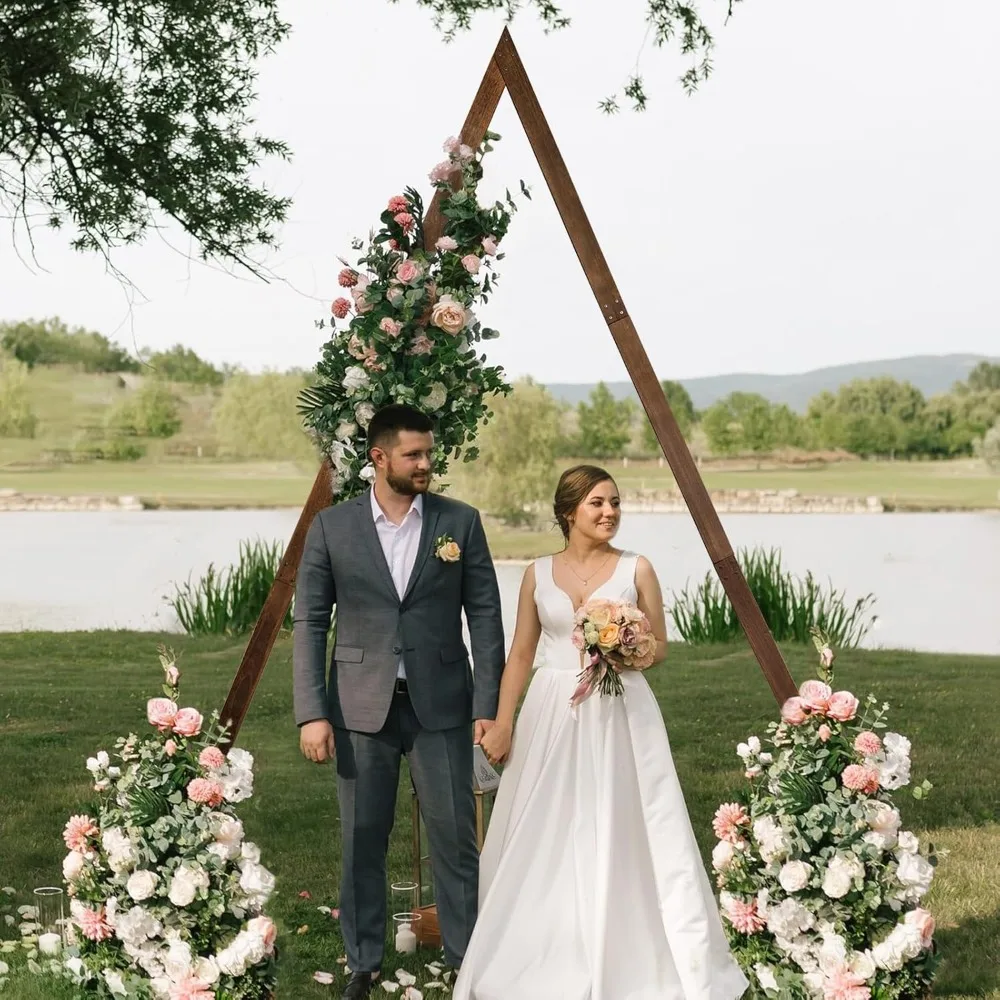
591 883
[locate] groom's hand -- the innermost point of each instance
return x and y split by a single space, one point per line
316 740
483 726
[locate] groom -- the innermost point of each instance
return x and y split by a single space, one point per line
400 564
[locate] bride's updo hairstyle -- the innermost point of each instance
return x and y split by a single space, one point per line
574 487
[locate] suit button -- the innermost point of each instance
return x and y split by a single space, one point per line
397 650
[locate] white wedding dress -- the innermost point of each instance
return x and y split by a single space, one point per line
591 884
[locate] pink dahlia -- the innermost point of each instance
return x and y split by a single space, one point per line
397 203
845 985
744 916
867 743
92 923
205 792
347 278
79 830
212 758
404 220
190 988
728 818
340 308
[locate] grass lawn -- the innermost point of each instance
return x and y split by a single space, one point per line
63 696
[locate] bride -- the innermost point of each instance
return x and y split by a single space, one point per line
591 884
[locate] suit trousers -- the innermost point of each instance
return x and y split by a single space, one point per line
367 783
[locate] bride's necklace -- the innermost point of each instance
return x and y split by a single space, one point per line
585 580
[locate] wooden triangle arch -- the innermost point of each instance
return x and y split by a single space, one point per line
506 72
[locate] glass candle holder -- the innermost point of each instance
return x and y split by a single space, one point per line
406 939
49 901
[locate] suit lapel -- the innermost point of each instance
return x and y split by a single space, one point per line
428 532
366 526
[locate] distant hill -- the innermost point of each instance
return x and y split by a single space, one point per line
931 374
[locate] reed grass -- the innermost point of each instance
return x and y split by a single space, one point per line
228 602
791 606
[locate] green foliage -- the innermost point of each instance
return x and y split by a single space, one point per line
746 422
790 606
52 342
605 424
515 471
17 419
679 400
114 114
229 602
989 448
255 417
151 411
985 377
181 364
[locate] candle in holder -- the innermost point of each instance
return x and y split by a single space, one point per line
406 940
49 917
49 943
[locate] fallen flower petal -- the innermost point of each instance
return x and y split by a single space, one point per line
325 978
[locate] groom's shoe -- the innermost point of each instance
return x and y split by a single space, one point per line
359 985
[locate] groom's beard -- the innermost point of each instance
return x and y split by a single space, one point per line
408 486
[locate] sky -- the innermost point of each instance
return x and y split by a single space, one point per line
827 196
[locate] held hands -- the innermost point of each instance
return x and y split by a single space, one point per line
496 743
316 740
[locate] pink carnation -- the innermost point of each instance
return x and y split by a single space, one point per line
78 831
744 916
212 758
824 732
347 278
92 924
794 711
867 743
390 327
205 792
188 722
471 263
397 203
859 778
340 308
404 220
421 345
728 818
161 713
190 988
843 706
842 984
815 696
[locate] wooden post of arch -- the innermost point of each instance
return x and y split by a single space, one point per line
506 72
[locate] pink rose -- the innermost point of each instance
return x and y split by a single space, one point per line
441 173
361 302
355 348
452 145
173 675
421 345
265 929
393 244
170 748
924 922
161 712
826 656
211 758
471 263
448 315
347 278
370 360
446 243
404 220
205 792
340 308
408 271
188 722
816 696
397 203
390 327
824 732
794 711
490 246
395 295
843 706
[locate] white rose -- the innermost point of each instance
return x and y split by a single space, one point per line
893 951
916 873
228 833
257 882
722 855
435 398
743 750
840 875
250 851
765 977
205 970
794 875
363 413
346 430
243 951
367 473
141 885
93 765
355 378
177 960
884 822
73 865
754 744
115 983
862 964
184 886
832 954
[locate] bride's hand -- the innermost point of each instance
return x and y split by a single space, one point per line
496 744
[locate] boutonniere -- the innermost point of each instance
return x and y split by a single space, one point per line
446 549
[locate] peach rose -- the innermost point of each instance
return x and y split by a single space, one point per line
446 244
265 929
824 732
421 344
843 706
794 711
161 713
390 327
170 748
816 696
408 271
449 552
448 315
608 636
188 722
923 920
471 263
490 246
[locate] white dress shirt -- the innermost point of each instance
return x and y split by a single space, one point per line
399 545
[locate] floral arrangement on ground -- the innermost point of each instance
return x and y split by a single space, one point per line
408 331
821 889
166 895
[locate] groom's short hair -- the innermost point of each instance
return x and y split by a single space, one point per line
384 428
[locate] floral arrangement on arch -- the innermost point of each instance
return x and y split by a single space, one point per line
166 895
405 329
821 889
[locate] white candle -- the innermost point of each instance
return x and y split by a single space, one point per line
406 940
49 944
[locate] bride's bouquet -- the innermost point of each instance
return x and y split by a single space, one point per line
167 896
613 636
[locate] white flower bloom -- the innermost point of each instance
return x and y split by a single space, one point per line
754 744
73 865
765 977
772 841
237 777
122 854
743 750
894 761
205 970
257 882
766 758
355 378
794 875
346 430
92 765
228 833
862 964
363 413
141 885
136 926
115 984
907 843
832 955
250 851
435 398
242 952
187 880
916 873
177 959
884 822
722 855
74 965
788 919
367 473
840 874
902 945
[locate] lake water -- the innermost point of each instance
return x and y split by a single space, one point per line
936 577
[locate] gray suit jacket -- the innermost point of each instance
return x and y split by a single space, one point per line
343 565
